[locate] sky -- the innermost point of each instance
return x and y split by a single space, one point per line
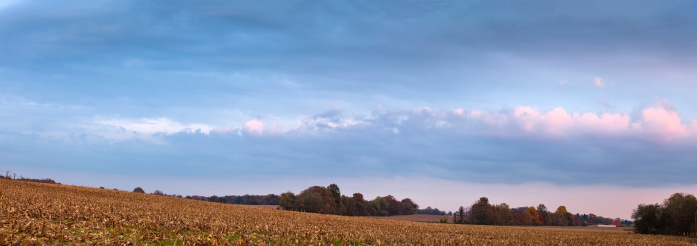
587 104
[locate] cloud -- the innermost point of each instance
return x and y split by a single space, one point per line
663 122
149 129
155 126
511 146
598 82
254 127
658 122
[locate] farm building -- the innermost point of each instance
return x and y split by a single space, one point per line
617 223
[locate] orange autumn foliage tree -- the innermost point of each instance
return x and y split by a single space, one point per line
534 216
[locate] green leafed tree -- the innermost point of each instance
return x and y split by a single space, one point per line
287 201
316 199
647 219
678 215
408 206
336 192
379 206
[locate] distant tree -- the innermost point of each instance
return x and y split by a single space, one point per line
347 206
379 206
158 192
393 206
287 201
521 216
336 193
577 220
506 216
534 216
459 216
361 206
434 211
271 199
563 217
138 190
647 219
594 219
408 206
481 212
216 199
495 215
545 217
316 199
678 214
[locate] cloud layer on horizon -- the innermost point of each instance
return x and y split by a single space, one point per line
658 123
515 145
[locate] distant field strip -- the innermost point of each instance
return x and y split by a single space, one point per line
32 213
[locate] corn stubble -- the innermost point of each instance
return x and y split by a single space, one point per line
46 214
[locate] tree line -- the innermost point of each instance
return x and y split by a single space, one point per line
329 200
676 216
270 199
318 199
433 211
22 178
483 213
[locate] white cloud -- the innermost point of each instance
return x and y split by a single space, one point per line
155 126
145 128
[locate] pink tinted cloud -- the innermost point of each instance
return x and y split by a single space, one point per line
527 117
554 122
259 128
660 121
557 120
598 82
664 123
254 127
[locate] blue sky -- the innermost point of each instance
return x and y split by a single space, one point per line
236 97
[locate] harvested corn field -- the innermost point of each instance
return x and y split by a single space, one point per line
38 214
